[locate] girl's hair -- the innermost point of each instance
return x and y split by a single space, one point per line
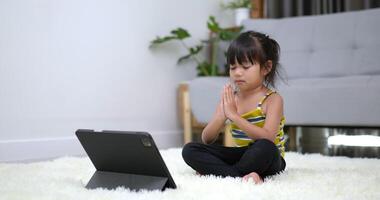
255 47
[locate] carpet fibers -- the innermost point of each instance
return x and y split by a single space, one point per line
306 177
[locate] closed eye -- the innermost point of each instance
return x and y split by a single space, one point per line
245 67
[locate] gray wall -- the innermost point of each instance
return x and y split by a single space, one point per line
86 64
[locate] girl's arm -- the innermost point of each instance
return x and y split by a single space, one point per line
274 113
212 130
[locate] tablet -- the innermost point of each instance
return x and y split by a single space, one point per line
125 158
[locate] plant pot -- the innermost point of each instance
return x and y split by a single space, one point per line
240 15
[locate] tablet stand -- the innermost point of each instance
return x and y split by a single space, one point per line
112 180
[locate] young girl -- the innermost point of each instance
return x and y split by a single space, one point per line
255 113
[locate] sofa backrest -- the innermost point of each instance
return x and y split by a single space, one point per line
330 45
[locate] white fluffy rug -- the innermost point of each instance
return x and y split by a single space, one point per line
306 177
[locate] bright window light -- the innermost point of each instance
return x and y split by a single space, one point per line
354 140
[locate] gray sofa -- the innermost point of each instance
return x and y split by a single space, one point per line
332 63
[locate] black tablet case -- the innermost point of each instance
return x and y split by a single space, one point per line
125 158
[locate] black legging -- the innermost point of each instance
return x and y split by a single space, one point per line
262 157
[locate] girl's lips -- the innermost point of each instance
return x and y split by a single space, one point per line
239 81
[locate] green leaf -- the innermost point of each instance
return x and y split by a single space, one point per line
160 40
229 34
212 25
176 34
192 52
180 33
207 69
196 49
203 69
234 4
183 58
214 70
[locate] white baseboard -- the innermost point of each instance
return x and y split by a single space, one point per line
46 148
39 149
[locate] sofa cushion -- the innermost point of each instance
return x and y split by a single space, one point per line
332 45
295 63
367 29
339 101
366 60
330 63
367 43
291 37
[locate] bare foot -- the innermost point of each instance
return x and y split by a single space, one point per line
253 175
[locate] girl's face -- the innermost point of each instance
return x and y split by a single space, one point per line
247 76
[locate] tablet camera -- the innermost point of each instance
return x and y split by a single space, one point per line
146 142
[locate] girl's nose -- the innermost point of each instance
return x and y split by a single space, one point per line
238 71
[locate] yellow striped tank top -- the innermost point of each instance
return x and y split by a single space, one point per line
257 118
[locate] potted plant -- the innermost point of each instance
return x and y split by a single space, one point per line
241 9
206 67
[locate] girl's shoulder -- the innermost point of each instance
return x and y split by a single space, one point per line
274 97
273 100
